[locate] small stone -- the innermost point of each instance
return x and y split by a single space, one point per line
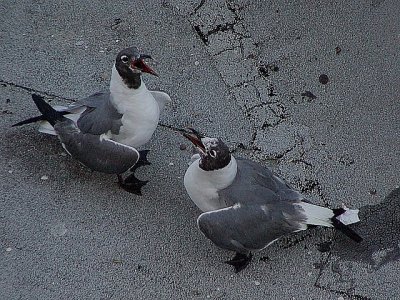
257 282
44 177
245 84
117 41
338 50
79 43
317 265
182 147
309 95
117 261
373 192
8 249
275 68
10 171
196 63
171 164
58 230
324 246
251 56
323 78
340 298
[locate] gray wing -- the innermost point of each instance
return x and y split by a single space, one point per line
255 183
94 151
92 101
100 115
161 98
244 228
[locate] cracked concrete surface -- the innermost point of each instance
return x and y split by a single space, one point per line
248 71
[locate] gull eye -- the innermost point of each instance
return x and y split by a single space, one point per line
124 59
213 153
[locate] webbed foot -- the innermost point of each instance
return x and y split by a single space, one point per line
240 261
131 184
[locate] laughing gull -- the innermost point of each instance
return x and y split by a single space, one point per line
246 207
103 130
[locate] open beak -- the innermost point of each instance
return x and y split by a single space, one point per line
195 137
142 66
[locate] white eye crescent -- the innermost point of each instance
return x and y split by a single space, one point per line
124 59
213 153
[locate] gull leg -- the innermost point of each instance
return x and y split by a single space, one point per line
132 184
240 261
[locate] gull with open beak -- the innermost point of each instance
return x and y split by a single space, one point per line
246 207
103 130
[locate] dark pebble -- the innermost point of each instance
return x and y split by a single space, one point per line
323 79
309 95
182 147
324 246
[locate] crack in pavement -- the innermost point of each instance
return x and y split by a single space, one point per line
202 2
322 266
32 90
275 108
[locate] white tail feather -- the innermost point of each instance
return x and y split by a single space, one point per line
317 215
45 127
350 216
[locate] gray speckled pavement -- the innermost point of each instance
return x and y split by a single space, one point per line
248 71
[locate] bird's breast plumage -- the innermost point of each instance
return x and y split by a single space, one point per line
140 115
203 186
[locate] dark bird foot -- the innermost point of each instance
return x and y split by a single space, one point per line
131 184
142 160
240 261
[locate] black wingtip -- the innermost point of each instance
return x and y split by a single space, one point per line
30 120
49 113
345 229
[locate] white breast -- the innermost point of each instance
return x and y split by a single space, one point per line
203 186
139 109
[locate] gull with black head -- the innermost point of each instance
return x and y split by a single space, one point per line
246 207
103 130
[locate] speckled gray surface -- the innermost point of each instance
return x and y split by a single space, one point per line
236 69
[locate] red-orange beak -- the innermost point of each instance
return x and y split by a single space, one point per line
140 64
